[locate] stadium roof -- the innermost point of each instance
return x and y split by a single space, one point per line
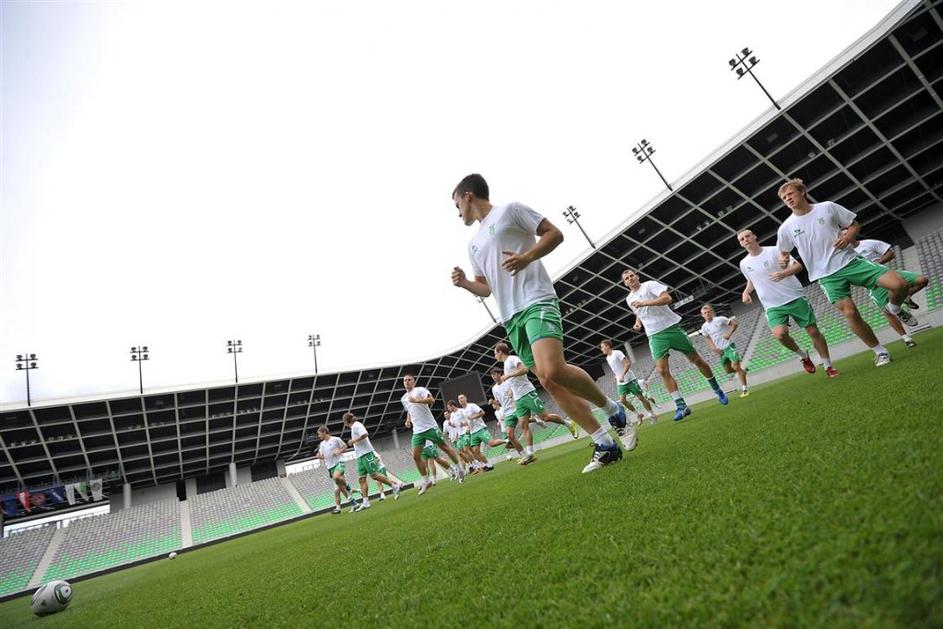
865 132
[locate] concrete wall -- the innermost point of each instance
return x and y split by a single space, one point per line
243 475
143 496
926 222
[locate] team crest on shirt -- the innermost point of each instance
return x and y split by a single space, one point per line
491 229
798 232
474 249
821 221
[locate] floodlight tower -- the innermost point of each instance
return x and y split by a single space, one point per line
139 354
234 347
743 62
481 300
314 342
572 216
643 153
27 362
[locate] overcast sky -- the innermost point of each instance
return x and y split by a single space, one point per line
177 174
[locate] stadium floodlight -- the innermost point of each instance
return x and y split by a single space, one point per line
572 216
743 63
643 152
27 362
234 347
139 354
314 342
481 300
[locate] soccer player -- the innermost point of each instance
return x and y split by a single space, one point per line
504 408
463 426
823 233
418 402
880 252
649 301
330 450
782 298
626 382
393 477
430 455
479 434
505 260
718 332
528 405
367 462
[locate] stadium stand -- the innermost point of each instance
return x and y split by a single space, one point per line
315 487
106 541
245 507
930 252
20 554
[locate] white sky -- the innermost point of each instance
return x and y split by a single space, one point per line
177 174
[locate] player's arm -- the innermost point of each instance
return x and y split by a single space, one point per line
791 269
626 365
662 300
478 286
847 235
409 421
480 413
520 370
638 324
747 291
733 328
549 238
710 342
429 400
887 256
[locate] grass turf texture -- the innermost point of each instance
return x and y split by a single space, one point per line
812 502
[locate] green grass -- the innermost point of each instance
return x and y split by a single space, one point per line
812 502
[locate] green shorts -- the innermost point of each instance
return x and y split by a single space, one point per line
673 337
858 272
537 321
340 467
480 437
368 464
429 452
433 435
630 388
879 295
799 309
463 441
729 355
510 421
528 405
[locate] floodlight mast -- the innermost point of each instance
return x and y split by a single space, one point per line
743 62
481 300
314 342
643 152
572 216
234 347
139 354
27 362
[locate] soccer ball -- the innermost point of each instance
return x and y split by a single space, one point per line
508 456
172 555
51 598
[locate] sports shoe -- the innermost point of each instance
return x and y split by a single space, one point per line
681 412
460 476
423 488
745 393
808 365
573 428
639 419
527 459
336 510
363 506
910 343
831 372
910 303
396 489
907 318
602 456
618 419
382 496
488 467
653 419
722 397
882 359
629 437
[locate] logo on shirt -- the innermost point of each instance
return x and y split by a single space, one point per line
474 250
821 221
491 229
798 232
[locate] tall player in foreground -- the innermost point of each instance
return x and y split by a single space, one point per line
505 258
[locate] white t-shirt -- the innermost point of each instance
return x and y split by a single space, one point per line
420 414
871 250
357 429
502 393
772 294
458 421
814 234
654 318
520 385
615 360
474 425
715 330
510 227
327 451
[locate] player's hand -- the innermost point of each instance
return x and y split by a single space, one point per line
842 241
718 350
746 298
514 262
783 260
637 304
458 276
778 275
727 336
637 327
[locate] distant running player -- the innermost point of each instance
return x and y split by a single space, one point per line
367 462
626 382
330 451
718 331
504 403
418 402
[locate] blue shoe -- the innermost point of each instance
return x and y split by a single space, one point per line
603 455
722 397
618 421
681 412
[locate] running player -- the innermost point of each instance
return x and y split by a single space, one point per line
330 450
464 449
452 428
718 332
367 462
506 262
386 472
823 233
782 298
626 382
430 455
418 402
649 301
528 405
504 402
478 431
880 252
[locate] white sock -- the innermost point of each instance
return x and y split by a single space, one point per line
879 349
611 407
601 437
744 387
802 353
366 502
893 308
906 337
528 450
826 362
676 395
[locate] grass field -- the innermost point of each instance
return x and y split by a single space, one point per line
812 502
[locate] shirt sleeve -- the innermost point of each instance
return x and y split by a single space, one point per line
525 218
476 269
657 287
784 241
702 331
841 217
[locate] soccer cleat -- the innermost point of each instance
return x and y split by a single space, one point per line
808 365
527 459
910 303
831 372
618 420
882 359
396 489
629 437
721 397
382 496
745 393
488 467
907 318
423 488
910 343
602 456
573 428
681 412
336 510
363 506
